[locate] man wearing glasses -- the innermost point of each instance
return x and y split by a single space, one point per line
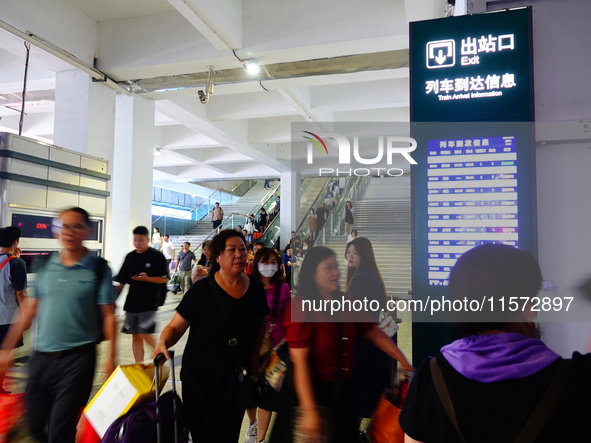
74 308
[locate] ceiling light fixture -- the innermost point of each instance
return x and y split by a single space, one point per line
252 66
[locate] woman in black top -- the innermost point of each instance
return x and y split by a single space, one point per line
208 370
372 368
349 218
263 219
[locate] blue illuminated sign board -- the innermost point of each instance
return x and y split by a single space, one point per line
471 116
472 68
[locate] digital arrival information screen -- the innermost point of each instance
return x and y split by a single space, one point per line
472 198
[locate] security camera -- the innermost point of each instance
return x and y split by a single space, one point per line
203 97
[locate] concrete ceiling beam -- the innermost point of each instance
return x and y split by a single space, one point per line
220 22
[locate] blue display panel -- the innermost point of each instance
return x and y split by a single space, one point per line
472 198
473 184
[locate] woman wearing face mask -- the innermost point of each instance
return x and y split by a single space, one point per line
265 267
313 222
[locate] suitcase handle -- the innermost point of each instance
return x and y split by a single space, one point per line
158 362
159 359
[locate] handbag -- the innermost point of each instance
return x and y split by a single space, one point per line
384 426
276 367
266 348
248 391
267 344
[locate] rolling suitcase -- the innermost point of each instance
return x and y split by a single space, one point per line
158 421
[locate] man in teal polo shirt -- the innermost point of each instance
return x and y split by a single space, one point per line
74 307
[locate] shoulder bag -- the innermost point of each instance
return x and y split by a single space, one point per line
249 391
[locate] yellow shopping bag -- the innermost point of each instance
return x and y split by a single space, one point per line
127 386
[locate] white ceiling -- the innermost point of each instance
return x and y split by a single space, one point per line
313 52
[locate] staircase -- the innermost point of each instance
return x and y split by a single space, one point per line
383 216
203 228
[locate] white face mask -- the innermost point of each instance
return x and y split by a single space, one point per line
267 270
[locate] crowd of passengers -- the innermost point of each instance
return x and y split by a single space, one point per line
496 373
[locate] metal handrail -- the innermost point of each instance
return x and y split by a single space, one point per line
315 204
189 216
232 216
266 238
230 221
256 210
250 182
191 210
205 200
352 193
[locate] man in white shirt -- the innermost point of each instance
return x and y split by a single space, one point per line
168 249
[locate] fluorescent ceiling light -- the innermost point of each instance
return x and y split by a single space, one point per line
252 66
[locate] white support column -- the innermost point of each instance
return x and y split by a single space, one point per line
85 122
290 204
132 175
84 113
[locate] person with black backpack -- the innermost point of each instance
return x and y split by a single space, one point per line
498 382
144 270
74 304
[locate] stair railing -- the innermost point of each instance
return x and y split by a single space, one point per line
352 192
303 228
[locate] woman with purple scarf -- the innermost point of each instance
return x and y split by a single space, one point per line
499 372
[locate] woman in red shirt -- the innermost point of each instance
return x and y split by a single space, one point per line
321 348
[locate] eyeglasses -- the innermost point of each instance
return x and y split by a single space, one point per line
77 229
